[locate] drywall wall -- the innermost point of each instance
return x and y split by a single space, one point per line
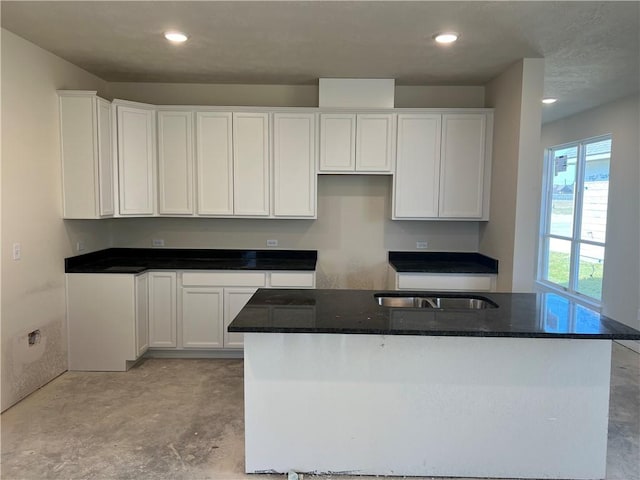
352 234
413 96
286 95
497 236
529 179
511 235
621 119
33 295
222 94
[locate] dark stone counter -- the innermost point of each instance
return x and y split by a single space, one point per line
442 262
137 260
526 315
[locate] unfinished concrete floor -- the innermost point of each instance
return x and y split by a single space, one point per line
183 419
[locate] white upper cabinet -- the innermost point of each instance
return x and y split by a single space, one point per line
443 166
294 165
362 143
106 168
214 159
175 163
136 159
337 142
462 165
87 157
417 166
251 164
374 143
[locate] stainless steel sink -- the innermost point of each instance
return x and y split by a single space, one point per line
441 302
404 302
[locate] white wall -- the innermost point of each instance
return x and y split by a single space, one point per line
621 119
33 294
510 235
529 177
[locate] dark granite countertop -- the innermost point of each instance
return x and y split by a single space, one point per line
527 315
442 262
137 260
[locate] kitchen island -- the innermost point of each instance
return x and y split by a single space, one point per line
337 383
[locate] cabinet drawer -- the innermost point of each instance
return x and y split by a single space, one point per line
443 282
223 279
292 279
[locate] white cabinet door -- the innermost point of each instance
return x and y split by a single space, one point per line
462 165
175 163
416 182
294 165
142 313
162 309
106 171
136 160
337 142
234 300
374 143
87 159
214 157
251 164
202 317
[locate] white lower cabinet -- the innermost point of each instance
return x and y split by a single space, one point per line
454 282
199 305
163 309
234 300
142 313
202 317
107 320
114 318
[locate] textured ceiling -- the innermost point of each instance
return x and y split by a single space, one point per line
592 49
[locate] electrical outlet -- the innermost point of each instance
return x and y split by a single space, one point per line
17 251
79 246
421 244
272 243
158 242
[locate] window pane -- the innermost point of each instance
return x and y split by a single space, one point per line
558 262
596 191
563 191
590 270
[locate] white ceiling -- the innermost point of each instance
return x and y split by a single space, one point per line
592 49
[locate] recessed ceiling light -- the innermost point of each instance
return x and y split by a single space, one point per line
549 100
176 37
446 37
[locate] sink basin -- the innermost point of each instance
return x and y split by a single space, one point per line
441 302
404 302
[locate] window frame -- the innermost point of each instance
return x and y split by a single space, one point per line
576 230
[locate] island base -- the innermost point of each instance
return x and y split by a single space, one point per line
426 405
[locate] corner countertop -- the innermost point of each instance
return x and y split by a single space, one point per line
442 262
524 315
138 260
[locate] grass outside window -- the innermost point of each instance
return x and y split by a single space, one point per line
589 278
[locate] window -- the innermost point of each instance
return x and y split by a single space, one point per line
574 217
